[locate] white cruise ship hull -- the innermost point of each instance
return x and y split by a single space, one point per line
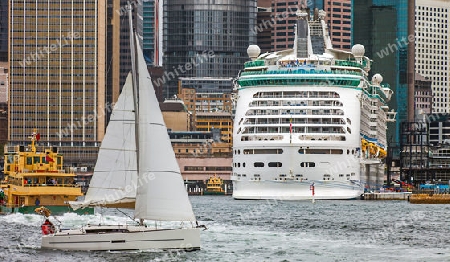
284 168
104 238
296 190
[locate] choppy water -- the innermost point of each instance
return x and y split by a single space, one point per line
270 231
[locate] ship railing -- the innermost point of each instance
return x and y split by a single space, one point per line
299 70
51 185
319 137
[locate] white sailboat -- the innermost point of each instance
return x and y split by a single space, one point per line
136 167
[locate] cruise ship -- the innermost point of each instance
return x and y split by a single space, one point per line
309 124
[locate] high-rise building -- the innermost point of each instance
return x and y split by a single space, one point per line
57 76
432 55
148 31
205 39
282 23
423 98
432 50
152 31
264 24
4 82
4 30
3 104
276 20
339 22
123 53
118 57
380 25
4 74
115 16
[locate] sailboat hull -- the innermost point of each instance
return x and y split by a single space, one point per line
123 238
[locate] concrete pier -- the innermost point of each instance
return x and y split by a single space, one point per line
387 196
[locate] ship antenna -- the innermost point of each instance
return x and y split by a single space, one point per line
33 139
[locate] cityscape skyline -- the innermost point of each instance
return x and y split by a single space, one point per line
190 32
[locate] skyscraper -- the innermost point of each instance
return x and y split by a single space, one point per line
118 63
339 22
276 20
152 31
282 23
4 71
4 82
57 75
114 13
380 25
4 30
432 49
205 39
3 103
263 28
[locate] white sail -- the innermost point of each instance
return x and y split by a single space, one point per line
161 194
115 173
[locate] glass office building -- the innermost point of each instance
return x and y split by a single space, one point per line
206 39
379 25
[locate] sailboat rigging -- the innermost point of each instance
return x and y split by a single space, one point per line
136 167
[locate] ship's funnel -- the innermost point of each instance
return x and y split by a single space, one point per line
302 32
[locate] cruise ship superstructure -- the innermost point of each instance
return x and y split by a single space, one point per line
308 122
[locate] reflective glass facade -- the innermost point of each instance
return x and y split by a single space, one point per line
378 24
319 4
206 38
149 31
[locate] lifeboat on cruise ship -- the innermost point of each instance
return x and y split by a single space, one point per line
364 145
373 149
383 153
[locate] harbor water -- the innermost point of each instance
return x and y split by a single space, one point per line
240 230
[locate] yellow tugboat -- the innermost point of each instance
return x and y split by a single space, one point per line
214 186
34 179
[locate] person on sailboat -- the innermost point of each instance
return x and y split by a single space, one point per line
47 227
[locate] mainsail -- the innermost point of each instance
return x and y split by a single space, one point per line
161 194
115 174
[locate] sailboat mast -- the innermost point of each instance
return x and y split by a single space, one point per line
135 82
135 89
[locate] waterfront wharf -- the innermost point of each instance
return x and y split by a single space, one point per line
386 196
